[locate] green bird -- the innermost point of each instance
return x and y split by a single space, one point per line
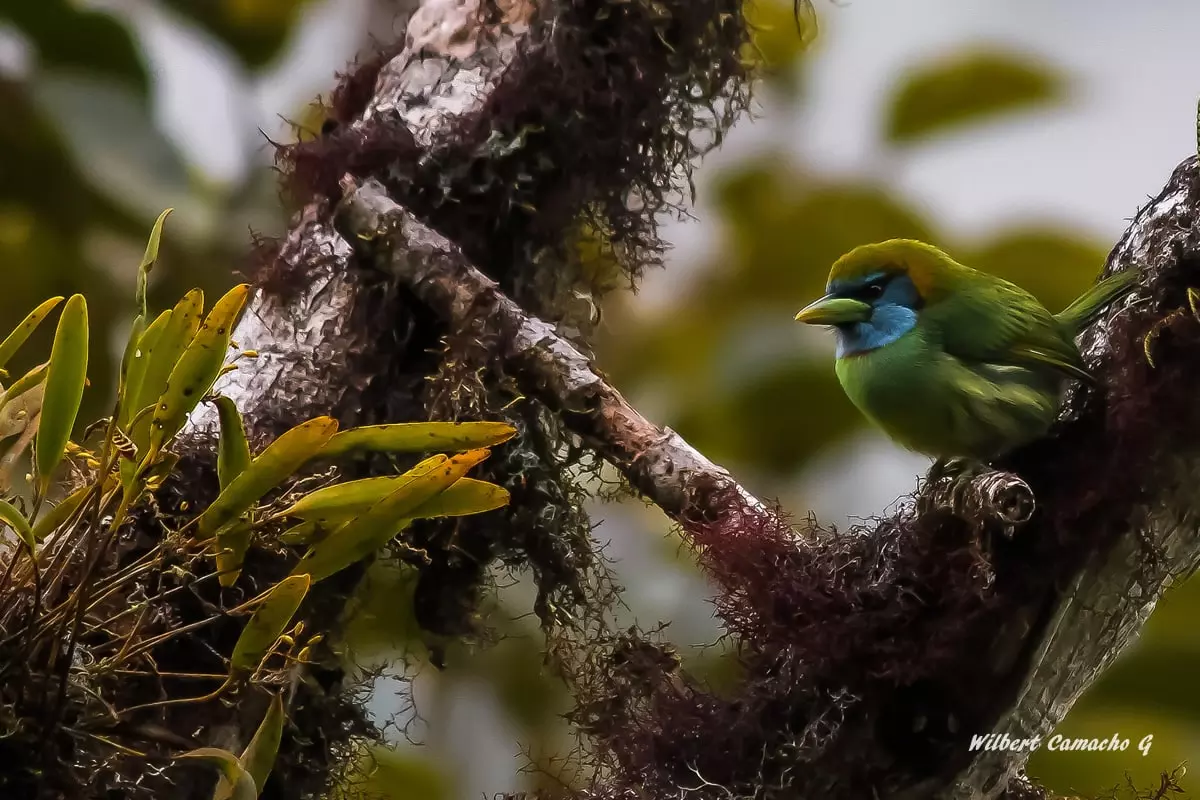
946 360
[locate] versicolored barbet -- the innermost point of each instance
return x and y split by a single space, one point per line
949 361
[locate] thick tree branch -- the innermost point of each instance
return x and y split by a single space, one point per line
1102 607
656 460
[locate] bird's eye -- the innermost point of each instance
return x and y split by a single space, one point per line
872 291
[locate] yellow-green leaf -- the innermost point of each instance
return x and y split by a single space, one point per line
965 88
150 258
142 312
342 501
233 450
259 756
465 497
12 343
59 514
65 379
420 437
196 369
239 785
269 621
272 466
232 543
24 383
167 347
305 533
138 349
16 520
136 330
361 536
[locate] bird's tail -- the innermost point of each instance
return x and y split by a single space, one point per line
1095 299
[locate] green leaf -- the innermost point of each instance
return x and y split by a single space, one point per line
268 623
65 379
361 536
780 33
238 782
161 346
259 756
20 334
340 502
419 437
969 87
233 449
11 515
193 375
133 360
47 523
272 466
139 296
232 544
137 364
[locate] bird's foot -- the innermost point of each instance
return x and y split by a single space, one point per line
947 482
955 469
1193 298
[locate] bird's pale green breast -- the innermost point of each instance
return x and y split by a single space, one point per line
935 403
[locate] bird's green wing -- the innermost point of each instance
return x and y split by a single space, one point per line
1023 356
993 321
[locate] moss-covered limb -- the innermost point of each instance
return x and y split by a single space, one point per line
871 659
1125 502
656 460
579 105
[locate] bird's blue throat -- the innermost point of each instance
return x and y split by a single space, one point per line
893 313
888 323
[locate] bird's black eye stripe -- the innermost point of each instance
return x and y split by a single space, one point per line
873 290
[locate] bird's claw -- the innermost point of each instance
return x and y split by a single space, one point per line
1193 298
955 469
949 477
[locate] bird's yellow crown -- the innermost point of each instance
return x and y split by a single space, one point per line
931 270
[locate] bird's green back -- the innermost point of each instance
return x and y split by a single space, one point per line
1024 334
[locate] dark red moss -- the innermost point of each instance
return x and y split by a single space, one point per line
606 102
356 86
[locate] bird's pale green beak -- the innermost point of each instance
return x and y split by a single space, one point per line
830 310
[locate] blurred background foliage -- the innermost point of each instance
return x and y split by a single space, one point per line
91 155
